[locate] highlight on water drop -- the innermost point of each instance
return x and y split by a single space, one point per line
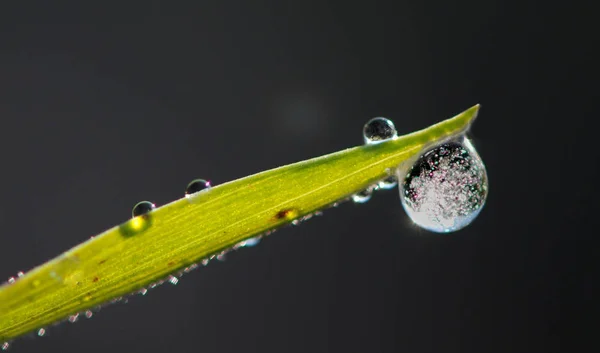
378 130
446 188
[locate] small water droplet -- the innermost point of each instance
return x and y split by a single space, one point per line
20 274
142 208
388 183
41 332
89 314
143 291
222 256
446 188
173 280
378 130
250 242
197 185
11 280
74 318
5 346
363 196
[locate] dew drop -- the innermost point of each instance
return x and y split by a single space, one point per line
173 280
363 196
41 332
20 274
11 280
142 208
5 346
89 314
196 185
446 188
143 291
378 130
249 242
388 183
74 318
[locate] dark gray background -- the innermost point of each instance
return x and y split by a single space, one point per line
102 107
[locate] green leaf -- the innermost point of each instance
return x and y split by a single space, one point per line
148 248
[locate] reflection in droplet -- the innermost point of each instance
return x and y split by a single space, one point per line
446 188
378 130
196 185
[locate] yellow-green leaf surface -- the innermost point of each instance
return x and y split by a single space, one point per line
148 248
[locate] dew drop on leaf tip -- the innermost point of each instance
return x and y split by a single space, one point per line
446 188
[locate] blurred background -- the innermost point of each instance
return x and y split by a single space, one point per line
101 107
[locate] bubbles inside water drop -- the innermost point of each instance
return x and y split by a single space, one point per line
142 208
378 130
197 185
446 188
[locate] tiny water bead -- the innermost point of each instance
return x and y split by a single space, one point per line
5 346
197 185
378 130
363 196
446 188
142 208
388 183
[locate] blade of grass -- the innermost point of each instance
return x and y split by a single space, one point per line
145 249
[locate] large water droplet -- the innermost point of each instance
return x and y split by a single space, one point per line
446 188
197 185
142 208
378 130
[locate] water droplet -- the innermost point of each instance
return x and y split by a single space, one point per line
250 242
89 314
388 183
197 185
378 130
41 332
5 346
446 188
11 280
20 274
143 291
173 280
142 208
222 256
74 318
363 196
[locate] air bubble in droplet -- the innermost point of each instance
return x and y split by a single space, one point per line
197 185
142 208
378 130
363 196
446 188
